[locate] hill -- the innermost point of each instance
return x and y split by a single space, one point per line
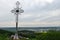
4 35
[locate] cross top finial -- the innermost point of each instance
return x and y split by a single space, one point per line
18 9
17 3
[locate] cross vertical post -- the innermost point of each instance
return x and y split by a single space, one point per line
17 24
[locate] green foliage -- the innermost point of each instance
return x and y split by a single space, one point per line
50 35
53 35
4 35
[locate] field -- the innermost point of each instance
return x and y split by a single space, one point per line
50 35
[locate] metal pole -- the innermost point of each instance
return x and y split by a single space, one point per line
16 23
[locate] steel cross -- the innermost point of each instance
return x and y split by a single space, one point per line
17 11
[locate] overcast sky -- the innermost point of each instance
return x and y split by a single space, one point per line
37 13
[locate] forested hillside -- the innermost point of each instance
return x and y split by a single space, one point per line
50 35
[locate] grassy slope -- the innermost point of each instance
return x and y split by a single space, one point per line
50 35
4 35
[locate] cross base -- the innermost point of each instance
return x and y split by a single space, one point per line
15 37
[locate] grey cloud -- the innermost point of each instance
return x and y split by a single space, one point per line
52 19
49 7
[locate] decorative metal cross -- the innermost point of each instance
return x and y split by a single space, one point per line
17 11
